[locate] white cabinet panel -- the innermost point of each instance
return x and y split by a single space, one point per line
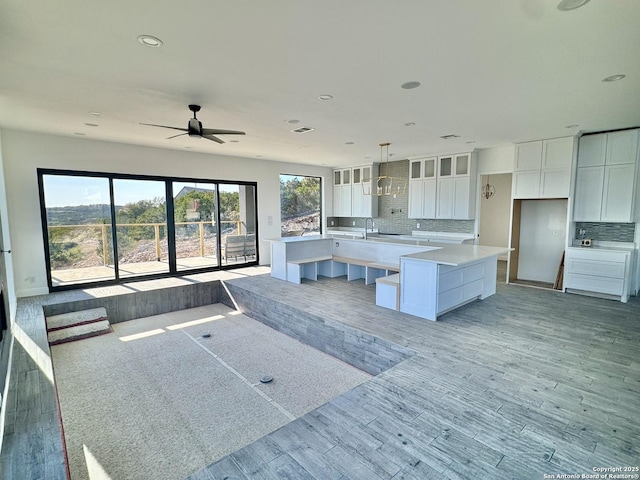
461 203
617 197
555 183
595 284
592 150
622 147
588 203
557 153
526 184
445 198
528 156
415 199
429 198
422 188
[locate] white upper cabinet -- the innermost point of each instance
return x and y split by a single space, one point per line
622 147
342 192
528 156
352 191
606 177
442 187
543 168
363 191
422 188
592 150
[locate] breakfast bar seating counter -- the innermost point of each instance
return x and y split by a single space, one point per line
425 281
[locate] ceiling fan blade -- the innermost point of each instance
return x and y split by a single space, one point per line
212 138
178 135
165 126
216 131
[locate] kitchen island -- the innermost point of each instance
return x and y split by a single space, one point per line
430 280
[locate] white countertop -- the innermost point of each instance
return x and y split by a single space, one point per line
442 253
604 246
455 255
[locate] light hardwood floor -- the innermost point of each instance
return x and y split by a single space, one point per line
525 383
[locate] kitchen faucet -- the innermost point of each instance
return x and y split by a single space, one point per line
366 222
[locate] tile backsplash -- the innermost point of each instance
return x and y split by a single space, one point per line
393 210
606 232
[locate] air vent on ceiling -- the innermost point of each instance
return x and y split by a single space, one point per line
449 137
302 130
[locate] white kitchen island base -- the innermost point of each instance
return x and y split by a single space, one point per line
432 280
431 289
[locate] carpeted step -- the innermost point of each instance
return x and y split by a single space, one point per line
78 332
71 326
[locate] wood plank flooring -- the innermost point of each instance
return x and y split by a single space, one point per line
525 383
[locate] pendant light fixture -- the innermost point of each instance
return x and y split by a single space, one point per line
488 190
386 184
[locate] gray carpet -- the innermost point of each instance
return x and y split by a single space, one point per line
156 400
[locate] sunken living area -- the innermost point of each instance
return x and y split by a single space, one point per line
512 386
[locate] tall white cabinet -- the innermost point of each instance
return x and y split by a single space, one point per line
422 188
443 187
543 168
606 177
352 191
342 192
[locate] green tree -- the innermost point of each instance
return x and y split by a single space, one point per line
204 201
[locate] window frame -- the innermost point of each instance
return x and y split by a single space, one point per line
320 199
168 181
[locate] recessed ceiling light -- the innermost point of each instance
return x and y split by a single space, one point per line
410 85
614 78
348 143
409 124
79 133
150 41
95 114
92 125
566 5
325 97
293 121
450 136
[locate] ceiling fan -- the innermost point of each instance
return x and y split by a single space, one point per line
194 128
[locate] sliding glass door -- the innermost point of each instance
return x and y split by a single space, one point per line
196 229
110 228
141 227
78 229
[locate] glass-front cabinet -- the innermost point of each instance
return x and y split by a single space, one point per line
442 187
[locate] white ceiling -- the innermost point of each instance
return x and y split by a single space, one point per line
492 72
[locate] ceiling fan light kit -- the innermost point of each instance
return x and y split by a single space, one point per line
195 129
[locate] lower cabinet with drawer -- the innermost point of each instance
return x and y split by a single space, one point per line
598 271
458 285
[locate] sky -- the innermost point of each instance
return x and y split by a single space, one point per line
63 191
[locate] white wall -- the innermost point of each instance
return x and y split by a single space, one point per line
495 213
24 152
6 259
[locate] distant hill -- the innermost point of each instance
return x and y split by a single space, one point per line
79 215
